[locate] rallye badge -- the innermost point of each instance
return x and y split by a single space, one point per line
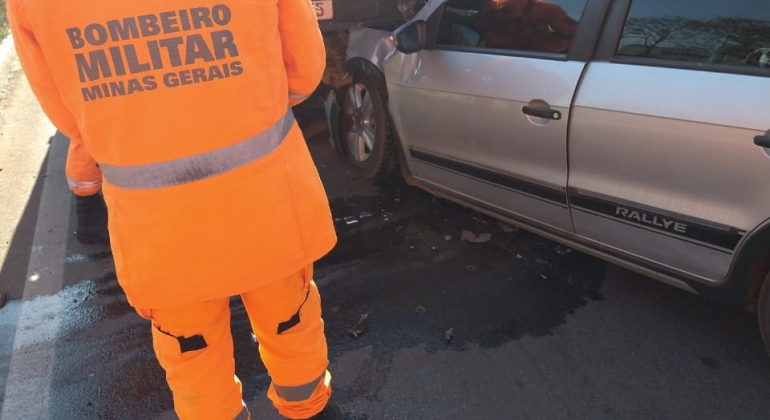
650 219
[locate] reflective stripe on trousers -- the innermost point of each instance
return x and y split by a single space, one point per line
194 345
205 165
299 392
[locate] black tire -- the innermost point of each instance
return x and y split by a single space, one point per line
381 157
763 314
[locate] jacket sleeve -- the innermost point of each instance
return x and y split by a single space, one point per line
38 72
303 48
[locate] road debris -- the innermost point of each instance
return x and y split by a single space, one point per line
519 256
480 219
448 238
544 276
364 215
449 335
361 327
470 267
469 236
505 227
350 220
562 251
420 309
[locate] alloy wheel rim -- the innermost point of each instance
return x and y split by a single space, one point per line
361 128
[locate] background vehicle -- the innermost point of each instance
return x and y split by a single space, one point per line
334 15
638 131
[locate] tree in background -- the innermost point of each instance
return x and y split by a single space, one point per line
652 31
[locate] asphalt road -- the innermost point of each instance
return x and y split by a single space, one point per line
537 331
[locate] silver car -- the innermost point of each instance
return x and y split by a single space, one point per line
637 131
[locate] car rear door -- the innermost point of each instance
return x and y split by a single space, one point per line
663 163
489 123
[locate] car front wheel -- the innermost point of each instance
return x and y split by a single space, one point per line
365 128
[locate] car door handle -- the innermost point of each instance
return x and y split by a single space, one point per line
763 141
551 114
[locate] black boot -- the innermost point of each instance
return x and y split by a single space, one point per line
330 412
92 219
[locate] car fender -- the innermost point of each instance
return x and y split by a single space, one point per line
370 49
736 289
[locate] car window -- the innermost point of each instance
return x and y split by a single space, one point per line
729 33
518 25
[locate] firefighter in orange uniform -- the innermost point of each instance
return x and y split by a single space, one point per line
210 188
84 179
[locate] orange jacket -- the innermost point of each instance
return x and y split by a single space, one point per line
210 187
530 25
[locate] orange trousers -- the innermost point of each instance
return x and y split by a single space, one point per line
194 345
83 174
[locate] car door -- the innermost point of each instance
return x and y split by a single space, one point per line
484 113
663 163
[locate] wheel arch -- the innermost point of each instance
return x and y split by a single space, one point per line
360 64
748 270
368 67
332 100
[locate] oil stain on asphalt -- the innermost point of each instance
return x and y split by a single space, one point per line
407 270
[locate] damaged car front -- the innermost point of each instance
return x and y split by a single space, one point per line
356 103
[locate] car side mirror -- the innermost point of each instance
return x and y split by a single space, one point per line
411 36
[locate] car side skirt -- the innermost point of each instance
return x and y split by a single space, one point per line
724 238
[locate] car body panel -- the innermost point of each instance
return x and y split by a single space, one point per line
376 45
678 143
467 107
670 275
372 45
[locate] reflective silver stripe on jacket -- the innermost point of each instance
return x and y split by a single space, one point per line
300 392
197 167
75 185
297 96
